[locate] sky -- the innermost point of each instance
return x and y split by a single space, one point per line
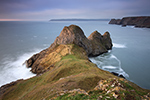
42 10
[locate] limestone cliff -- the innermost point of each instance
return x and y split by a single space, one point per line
94 45
143 21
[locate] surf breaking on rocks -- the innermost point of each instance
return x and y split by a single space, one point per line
110 62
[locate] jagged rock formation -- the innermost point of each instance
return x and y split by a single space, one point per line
73 35
143 21
94 45
100 43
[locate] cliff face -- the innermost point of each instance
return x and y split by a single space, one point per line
100 43
94 45
73 35
134 21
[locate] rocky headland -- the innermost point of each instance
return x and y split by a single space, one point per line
64 72
141 22
94 45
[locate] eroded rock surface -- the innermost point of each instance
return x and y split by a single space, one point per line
100 43
73 35
94 45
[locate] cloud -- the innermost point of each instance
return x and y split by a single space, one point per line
48 14
46 9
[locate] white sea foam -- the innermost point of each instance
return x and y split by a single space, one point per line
108 67
109 62
13 69
112 56
116 45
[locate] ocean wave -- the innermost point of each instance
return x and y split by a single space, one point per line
13 68
109 62
109 67
116 45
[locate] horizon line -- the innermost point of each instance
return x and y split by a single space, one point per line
52 19
23 20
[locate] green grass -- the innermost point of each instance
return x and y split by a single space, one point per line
75 97
75 70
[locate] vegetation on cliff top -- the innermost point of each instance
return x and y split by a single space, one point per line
73 72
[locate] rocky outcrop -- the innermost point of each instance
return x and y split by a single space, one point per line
100 43
94 45
143 21
73 35
115 21
34 62
110 89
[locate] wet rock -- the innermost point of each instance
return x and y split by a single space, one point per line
116 74
34 62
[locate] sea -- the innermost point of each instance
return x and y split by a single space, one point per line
19 40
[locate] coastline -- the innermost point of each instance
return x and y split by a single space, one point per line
139 21
71 70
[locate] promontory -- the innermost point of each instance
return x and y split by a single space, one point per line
64 72
141 21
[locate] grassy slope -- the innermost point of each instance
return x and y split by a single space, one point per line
72 71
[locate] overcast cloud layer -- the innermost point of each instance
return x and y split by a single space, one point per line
48 9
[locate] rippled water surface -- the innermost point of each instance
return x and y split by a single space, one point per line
130 55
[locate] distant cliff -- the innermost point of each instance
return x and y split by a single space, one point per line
142 22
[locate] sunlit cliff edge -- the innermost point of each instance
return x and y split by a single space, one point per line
64 72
